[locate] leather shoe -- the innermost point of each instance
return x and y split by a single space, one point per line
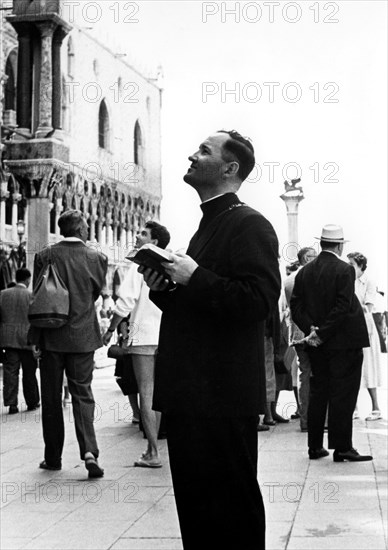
262 428
269 422
33 407
351 455
13 409
93 467
280 419
46 466
318 453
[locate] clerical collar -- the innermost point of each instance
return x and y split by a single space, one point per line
212 198
216 205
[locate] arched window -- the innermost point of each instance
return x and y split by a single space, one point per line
103 126
53 213
137 145
65 107
9 89
70 57
9 202
10 85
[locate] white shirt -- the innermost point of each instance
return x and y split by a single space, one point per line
145 316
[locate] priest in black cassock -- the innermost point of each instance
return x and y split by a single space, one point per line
210 376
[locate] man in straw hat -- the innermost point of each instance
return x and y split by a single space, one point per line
325 307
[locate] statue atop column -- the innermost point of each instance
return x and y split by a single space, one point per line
291 189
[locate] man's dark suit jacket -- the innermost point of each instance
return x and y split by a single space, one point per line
210 359
83 271
323 296
14 325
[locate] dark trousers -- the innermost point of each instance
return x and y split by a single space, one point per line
214 472
79 373
335 382
304 383
13 359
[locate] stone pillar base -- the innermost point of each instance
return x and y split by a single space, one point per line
58 134
42 131
22 134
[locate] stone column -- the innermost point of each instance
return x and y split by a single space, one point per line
123 237
38 224
15 199
24 80
109 232
292 205
58 212
92 236
59 35
46 81
99 230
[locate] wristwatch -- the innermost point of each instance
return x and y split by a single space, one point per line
111 330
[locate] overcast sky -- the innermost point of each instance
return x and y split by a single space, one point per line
310 90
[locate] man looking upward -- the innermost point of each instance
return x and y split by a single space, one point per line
210 376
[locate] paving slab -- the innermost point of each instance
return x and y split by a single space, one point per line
315 504
146 543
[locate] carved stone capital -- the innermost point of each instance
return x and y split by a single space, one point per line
46 28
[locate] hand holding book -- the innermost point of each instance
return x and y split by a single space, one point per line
151 256
177 267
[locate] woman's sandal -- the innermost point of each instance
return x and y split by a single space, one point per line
374 415
143 462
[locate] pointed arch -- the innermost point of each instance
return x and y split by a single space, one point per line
65 107
11 189
9 89
103 126
70 57
138 145
53 212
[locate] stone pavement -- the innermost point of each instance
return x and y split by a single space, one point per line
309 504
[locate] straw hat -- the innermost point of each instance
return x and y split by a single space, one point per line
332 233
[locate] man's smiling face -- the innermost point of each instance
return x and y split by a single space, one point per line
207 164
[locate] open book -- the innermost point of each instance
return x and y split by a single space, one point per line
150 256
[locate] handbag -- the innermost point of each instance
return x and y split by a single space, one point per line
50 304
116 352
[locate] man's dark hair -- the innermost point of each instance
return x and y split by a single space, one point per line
241 149
158 232
302 253
290 268
69 222
360 259
22 275
328 245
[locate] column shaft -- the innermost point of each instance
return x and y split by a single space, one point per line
56 80
24 81
46 80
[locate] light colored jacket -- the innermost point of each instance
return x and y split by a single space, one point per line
145 316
